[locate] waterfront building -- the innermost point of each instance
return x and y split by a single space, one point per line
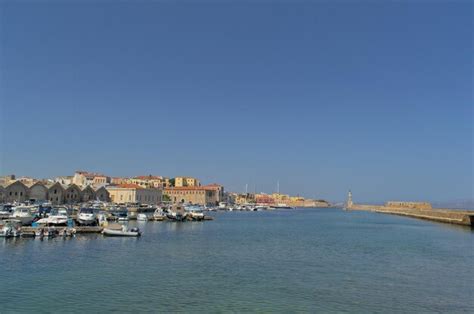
72 194
56 193
264 199
202 195
102 194
38 192
88 194
186 181
133 193
16 191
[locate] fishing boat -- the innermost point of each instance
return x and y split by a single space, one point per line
11 228
23 214
86 216
122 232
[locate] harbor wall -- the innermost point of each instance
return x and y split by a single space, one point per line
459 217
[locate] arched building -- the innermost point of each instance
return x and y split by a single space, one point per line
72 194
88 194
56 193
38 192
102 194
16 191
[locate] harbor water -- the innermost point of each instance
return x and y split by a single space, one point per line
310 260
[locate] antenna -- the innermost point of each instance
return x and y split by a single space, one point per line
278 186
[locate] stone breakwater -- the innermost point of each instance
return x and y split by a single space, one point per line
458 217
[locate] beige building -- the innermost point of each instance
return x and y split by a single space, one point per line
133 193
202 195
16 191
149 181
38 192
186 181
55 193
84 178
72 194
6 180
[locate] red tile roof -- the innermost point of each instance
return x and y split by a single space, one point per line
129 186
149 177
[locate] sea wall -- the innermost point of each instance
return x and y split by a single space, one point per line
459 217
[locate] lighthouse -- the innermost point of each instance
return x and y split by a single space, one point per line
349 200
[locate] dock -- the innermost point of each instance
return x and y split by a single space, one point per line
79 229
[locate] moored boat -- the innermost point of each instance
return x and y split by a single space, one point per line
23 214
86 216
11 228
122 232
142 217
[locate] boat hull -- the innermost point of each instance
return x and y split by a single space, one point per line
120 233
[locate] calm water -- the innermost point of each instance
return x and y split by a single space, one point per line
307 260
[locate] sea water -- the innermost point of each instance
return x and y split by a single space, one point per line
301 260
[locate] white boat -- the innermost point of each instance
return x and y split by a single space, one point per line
159 214
195 212
11 228
102 219
177 213
123 232
86 216
58 218
222 205
23 214
5 211
142 217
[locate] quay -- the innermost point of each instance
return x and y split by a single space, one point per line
420 210
79 229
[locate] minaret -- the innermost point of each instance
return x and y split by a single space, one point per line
349 200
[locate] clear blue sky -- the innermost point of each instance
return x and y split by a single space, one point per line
324 97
